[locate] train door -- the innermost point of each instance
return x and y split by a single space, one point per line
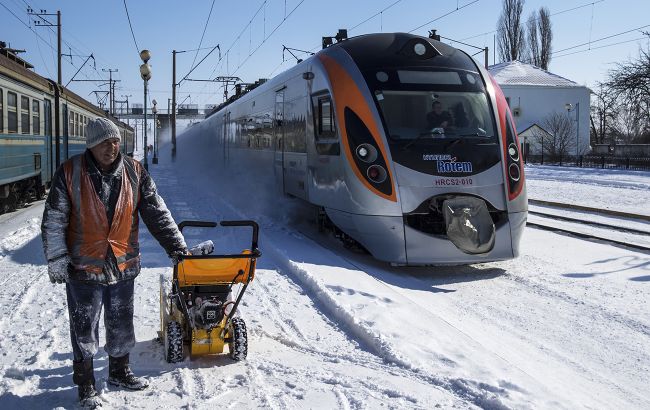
47 115
226 136
278 137
66 129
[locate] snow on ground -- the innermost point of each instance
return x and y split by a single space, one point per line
565 325
614 189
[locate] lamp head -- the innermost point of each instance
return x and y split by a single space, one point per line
145 71
568 106
145 55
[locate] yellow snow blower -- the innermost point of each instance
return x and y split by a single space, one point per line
198 308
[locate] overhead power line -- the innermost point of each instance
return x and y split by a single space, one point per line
137 49
444 15
203 35
375 15
553 14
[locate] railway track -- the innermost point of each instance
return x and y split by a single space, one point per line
612 231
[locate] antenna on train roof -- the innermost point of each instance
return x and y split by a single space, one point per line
340 36
433 35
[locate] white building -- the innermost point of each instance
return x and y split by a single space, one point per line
533 94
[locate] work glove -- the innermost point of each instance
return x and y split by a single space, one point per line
176 256
57 269
204 248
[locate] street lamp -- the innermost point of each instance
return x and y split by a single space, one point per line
571 107
154 110
145 73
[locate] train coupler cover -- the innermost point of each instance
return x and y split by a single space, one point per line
469 224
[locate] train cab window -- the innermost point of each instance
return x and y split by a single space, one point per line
325 118
36 117
24 114
325 125
2 112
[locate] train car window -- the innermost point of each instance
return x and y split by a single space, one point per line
76 124
82 126
2 112
12 112
36 117
24 114
70 123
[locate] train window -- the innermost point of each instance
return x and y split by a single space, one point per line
325 125
325 119
24 114
76 124
2 117
12 112
70 123
82 126
36 117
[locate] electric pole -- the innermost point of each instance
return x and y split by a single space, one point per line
44 22
173 107
111 90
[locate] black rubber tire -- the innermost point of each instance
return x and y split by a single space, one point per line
239 339
174 342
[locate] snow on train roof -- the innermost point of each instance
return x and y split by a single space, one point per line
518 73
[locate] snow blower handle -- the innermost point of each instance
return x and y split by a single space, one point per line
198 224
252 224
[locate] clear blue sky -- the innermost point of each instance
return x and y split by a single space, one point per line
101 28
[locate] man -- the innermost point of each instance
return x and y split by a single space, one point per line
90 239
438 118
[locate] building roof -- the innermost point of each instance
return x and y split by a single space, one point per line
518 73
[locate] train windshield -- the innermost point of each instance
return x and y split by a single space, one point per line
422 107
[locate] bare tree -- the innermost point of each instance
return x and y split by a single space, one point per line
545 37
533 41
603 113
630 123
632 81
540 37
561 138
510 37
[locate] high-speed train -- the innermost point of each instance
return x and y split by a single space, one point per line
405 144
34 112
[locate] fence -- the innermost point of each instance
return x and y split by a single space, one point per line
593 161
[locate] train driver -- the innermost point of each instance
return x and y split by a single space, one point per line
437 118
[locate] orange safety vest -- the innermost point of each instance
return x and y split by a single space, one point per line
88 233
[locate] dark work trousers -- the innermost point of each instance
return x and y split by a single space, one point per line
85 301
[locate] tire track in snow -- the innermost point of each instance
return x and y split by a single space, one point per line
381 348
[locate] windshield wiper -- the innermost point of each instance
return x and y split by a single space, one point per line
435 131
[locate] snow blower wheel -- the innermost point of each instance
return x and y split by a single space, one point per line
174 342
238 343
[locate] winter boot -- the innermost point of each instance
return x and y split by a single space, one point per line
84 377
119 374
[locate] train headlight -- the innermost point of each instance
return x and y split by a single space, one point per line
366 153
376 173
513 152
513 172
419 49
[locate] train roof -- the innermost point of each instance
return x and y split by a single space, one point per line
19 70
12 69
370 51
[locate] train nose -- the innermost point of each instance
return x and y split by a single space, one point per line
469 225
